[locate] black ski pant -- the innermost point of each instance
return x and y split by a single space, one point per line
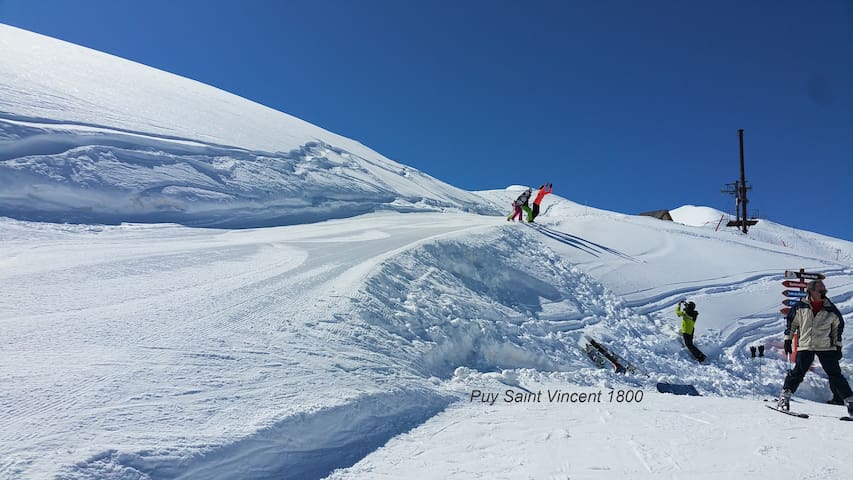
836 396
535 211
688 342
829 361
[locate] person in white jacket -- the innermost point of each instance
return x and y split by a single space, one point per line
820 325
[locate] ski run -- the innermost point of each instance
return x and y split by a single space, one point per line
356 348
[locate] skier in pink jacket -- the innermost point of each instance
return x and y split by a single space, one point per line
519 204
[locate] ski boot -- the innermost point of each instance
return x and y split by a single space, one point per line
849 403
784 402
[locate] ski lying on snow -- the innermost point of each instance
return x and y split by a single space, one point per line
596 357
613 359
788 412
618 362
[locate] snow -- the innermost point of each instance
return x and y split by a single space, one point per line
696 216
661 436
358 333
88 137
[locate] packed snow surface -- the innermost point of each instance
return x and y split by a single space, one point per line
162 351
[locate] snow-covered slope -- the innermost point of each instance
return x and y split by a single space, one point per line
353 347
166 352
657 437
88 137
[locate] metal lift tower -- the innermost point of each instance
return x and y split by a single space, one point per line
739 189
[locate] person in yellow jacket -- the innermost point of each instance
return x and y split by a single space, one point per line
688 323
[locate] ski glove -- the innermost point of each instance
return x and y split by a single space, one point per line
788 348
838 348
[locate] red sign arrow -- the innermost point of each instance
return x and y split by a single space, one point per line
785 310
795 284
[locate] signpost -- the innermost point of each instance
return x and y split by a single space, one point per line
804 275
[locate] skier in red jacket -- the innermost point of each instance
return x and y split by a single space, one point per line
543 190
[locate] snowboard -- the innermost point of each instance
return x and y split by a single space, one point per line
677 389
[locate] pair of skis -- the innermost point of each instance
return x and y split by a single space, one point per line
601 356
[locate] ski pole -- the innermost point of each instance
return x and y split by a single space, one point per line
752 356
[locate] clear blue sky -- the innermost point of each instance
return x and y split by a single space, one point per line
623 105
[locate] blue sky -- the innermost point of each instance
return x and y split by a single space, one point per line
623 105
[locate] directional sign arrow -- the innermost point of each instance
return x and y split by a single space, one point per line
794 293
807 275
795 284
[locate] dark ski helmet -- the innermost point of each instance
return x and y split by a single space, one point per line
690 306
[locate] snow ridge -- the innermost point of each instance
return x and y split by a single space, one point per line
110 177
87 137
482 303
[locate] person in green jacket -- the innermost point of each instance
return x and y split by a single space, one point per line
688 323
545 189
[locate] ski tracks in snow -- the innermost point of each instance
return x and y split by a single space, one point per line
158 338
204 343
